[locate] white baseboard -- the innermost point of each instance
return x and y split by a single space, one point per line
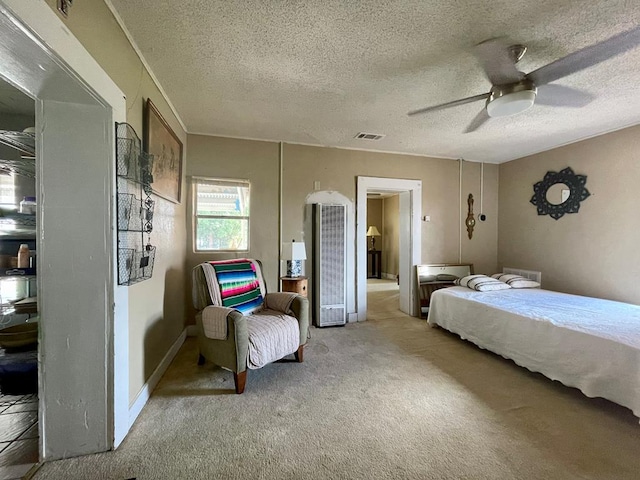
192 331
147 388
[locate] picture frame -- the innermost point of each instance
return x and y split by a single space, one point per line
161 141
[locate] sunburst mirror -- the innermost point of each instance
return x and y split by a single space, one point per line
559 193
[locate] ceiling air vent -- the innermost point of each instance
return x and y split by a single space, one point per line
369 136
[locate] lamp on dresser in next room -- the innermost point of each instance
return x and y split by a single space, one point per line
373 233
294 253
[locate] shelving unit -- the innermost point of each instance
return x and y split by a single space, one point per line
25 143
25 167
15 225
17 228
134 208
22 141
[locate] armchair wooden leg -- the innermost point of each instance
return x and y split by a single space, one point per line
240 379
299 354
200 359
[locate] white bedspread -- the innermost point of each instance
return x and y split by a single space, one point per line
583 342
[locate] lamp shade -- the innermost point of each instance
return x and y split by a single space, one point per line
294 251
373 231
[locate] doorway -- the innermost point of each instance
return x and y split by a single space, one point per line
409 193
383 249
82 347
18 291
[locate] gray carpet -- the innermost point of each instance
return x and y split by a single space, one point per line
389 398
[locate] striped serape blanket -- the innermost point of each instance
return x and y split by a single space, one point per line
239 285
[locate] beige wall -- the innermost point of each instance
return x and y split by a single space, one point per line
257 162
337 169
374 216
391 235
156 305
484 244
594 252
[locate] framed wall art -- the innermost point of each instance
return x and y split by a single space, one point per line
166 148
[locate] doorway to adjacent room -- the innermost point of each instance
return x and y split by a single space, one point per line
83 345
383 252
409 201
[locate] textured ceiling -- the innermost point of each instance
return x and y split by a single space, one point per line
319 72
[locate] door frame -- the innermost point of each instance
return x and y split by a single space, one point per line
412 244
40 29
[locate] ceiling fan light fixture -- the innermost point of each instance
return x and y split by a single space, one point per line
510 103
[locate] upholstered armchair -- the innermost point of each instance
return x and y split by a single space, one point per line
241 326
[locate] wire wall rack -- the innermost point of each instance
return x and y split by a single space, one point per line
135 208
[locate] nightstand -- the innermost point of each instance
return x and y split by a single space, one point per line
376 263
295 284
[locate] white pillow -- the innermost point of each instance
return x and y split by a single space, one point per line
516 281
481 283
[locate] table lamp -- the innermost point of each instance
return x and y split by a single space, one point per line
373 233
294 253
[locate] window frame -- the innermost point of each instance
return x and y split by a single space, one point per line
195 216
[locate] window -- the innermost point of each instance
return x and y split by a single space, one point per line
221 214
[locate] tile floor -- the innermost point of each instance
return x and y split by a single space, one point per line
18 435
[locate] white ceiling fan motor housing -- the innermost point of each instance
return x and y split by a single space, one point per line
506 100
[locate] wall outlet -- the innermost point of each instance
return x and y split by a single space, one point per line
316 185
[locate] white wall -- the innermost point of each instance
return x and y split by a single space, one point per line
74 273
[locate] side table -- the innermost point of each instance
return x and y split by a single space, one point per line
376 263
295 284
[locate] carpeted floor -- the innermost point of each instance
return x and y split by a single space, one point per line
390 398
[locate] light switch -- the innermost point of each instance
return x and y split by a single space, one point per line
316 185
426 218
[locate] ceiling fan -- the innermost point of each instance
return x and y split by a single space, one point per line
513 91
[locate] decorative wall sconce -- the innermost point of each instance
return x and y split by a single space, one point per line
570 192
470 222
64 6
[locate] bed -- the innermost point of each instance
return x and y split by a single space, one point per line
583 342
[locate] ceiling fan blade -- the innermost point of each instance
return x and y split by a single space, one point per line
587 57
560 96
455 103
477 121
497 61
